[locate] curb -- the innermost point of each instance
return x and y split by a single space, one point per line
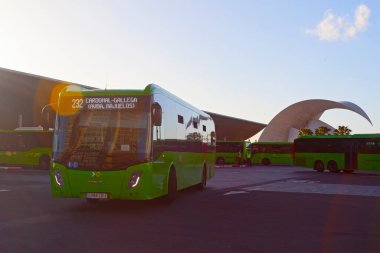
231 165
10 168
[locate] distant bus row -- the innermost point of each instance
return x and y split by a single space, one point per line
265 153
32 148
333 153
338 153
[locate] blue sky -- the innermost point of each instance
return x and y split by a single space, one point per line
247 59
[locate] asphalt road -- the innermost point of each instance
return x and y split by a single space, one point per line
256 209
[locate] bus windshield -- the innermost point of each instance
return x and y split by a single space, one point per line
103 139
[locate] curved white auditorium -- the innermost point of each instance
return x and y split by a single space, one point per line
286 124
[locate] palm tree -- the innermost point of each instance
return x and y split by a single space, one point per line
305 131
322 130
342 130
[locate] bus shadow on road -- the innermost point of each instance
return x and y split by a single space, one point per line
353 174
134 206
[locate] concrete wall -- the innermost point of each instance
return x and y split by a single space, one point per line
23 95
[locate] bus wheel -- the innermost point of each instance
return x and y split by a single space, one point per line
318 166
265 161
220 160
203 183
332 167
44 162
172 187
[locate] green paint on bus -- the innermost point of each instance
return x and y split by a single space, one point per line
338 153
232 152
26 148
276 153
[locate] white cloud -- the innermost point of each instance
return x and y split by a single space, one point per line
333 28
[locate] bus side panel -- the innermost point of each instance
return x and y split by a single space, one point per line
369 162
282 159
24 148
24 158
232 152
274 152
229 158
258 157
308 159
304 160
187 162
190 166
273 158
183 136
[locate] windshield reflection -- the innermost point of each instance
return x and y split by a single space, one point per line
102 139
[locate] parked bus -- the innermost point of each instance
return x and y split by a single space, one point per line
232 152
338 153
130 144
26 147
266 153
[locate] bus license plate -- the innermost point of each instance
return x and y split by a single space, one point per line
96 195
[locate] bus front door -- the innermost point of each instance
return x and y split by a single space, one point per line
351 157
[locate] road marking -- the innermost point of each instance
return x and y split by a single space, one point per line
317 187
234 192
29 221
302 181
10 168
4 190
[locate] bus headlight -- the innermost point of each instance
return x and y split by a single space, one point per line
135 179
58 178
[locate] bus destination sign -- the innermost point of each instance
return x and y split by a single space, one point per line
104 103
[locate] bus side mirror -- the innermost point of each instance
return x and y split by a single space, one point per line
45 115
156 114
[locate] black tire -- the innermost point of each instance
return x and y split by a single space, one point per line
265 161
44 163
332 167
220 160
318 166
203 183
172 187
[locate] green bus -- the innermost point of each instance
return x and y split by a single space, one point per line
277 153
232 152
130 144
338 153
26 147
